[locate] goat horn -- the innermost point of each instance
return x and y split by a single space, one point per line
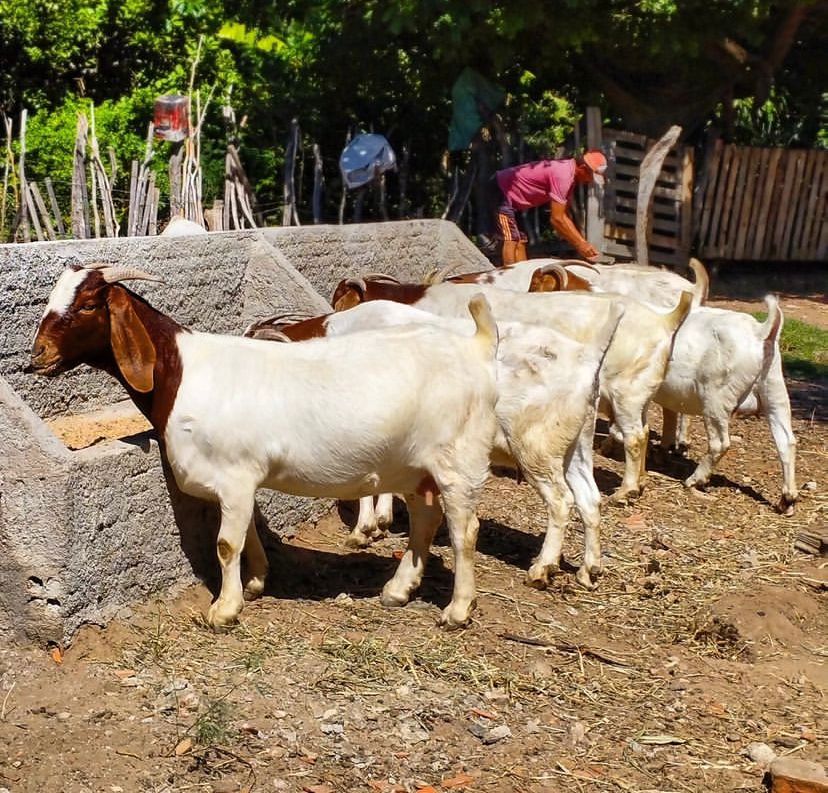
558 269
357 283
380 277
113 274
580 263
437 276
284 317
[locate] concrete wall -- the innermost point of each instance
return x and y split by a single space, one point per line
83 533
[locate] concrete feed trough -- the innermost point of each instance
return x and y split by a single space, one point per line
89 527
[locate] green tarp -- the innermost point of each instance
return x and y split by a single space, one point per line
473 99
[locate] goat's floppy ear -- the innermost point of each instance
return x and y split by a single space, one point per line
349 293
131 344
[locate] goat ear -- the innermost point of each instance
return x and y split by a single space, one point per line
545 281
348 294
131 344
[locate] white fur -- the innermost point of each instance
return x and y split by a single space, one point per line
330 418
547 386
634 365
181 227
725 362
651 285
63 293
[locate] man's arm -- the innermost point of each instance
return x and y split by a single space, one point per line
564 226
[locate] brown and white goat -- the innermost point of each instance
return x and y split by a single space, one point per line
235 414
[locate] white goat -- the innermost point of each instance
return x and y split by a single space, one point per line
635 362
726 362
327 418
181 227
547 388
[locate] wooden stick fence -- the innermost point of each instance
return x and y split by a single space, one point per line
764 204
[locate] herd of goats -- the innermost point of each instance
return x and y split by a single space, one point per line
417 389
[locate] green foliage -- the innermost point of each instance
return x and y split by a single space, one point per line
388 66
804 348
546 122
50 138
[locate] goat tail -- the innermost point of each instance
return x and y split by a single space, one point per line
486 334
772 326
674 318
702 282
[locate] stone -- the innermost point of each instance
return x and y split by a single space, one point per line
789 775
760 753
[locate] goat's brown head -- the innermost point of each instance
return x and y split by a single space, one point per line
556 278
90 319
374 286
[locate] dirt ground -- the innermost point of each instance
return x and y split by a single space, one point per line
707 632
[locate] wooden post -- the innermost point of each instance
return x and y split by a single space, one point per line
80 199
21 175
594 213
648 174
40 206
176 158
402 209
344 197
289 214
8 161
318 184
55 208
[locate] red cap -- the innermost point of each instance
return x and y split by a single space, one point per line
597 164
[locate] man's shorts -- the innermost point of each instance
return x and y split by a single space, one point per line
507 227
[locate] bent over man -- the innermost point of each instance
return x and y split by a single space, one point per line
533 184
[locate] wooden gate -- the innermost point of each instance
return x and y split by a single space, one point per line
764 205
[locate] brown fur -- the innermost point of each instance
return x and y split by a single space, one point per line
113 329
352 292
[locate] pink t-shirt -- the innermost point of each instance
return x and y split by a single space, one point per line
532 184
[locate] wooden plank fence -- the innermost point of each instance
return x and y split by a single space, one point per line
670 222
764 205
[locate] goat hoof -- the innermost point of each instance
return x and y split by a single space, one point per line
585 578
221 618
453 619
357 540
538 576
786 506
254 587
391 599
622 497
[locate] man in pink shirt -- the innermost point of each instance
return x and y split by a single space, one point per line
534 184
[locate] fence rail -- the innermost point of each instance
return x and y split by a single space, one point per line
764 204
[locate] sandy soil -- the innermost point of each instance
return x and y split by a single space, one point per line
708 632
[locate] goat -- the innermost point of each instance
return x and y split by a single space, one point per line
515 276
547 390
650 285
181 227
635 362
234 414
723 363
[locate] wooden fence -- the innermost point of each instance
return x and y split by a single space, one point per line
763 204
670 221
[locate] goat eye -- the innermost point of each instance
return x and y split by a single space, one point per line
89 307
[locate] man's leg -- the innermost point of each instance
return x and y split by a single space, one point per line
514 246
